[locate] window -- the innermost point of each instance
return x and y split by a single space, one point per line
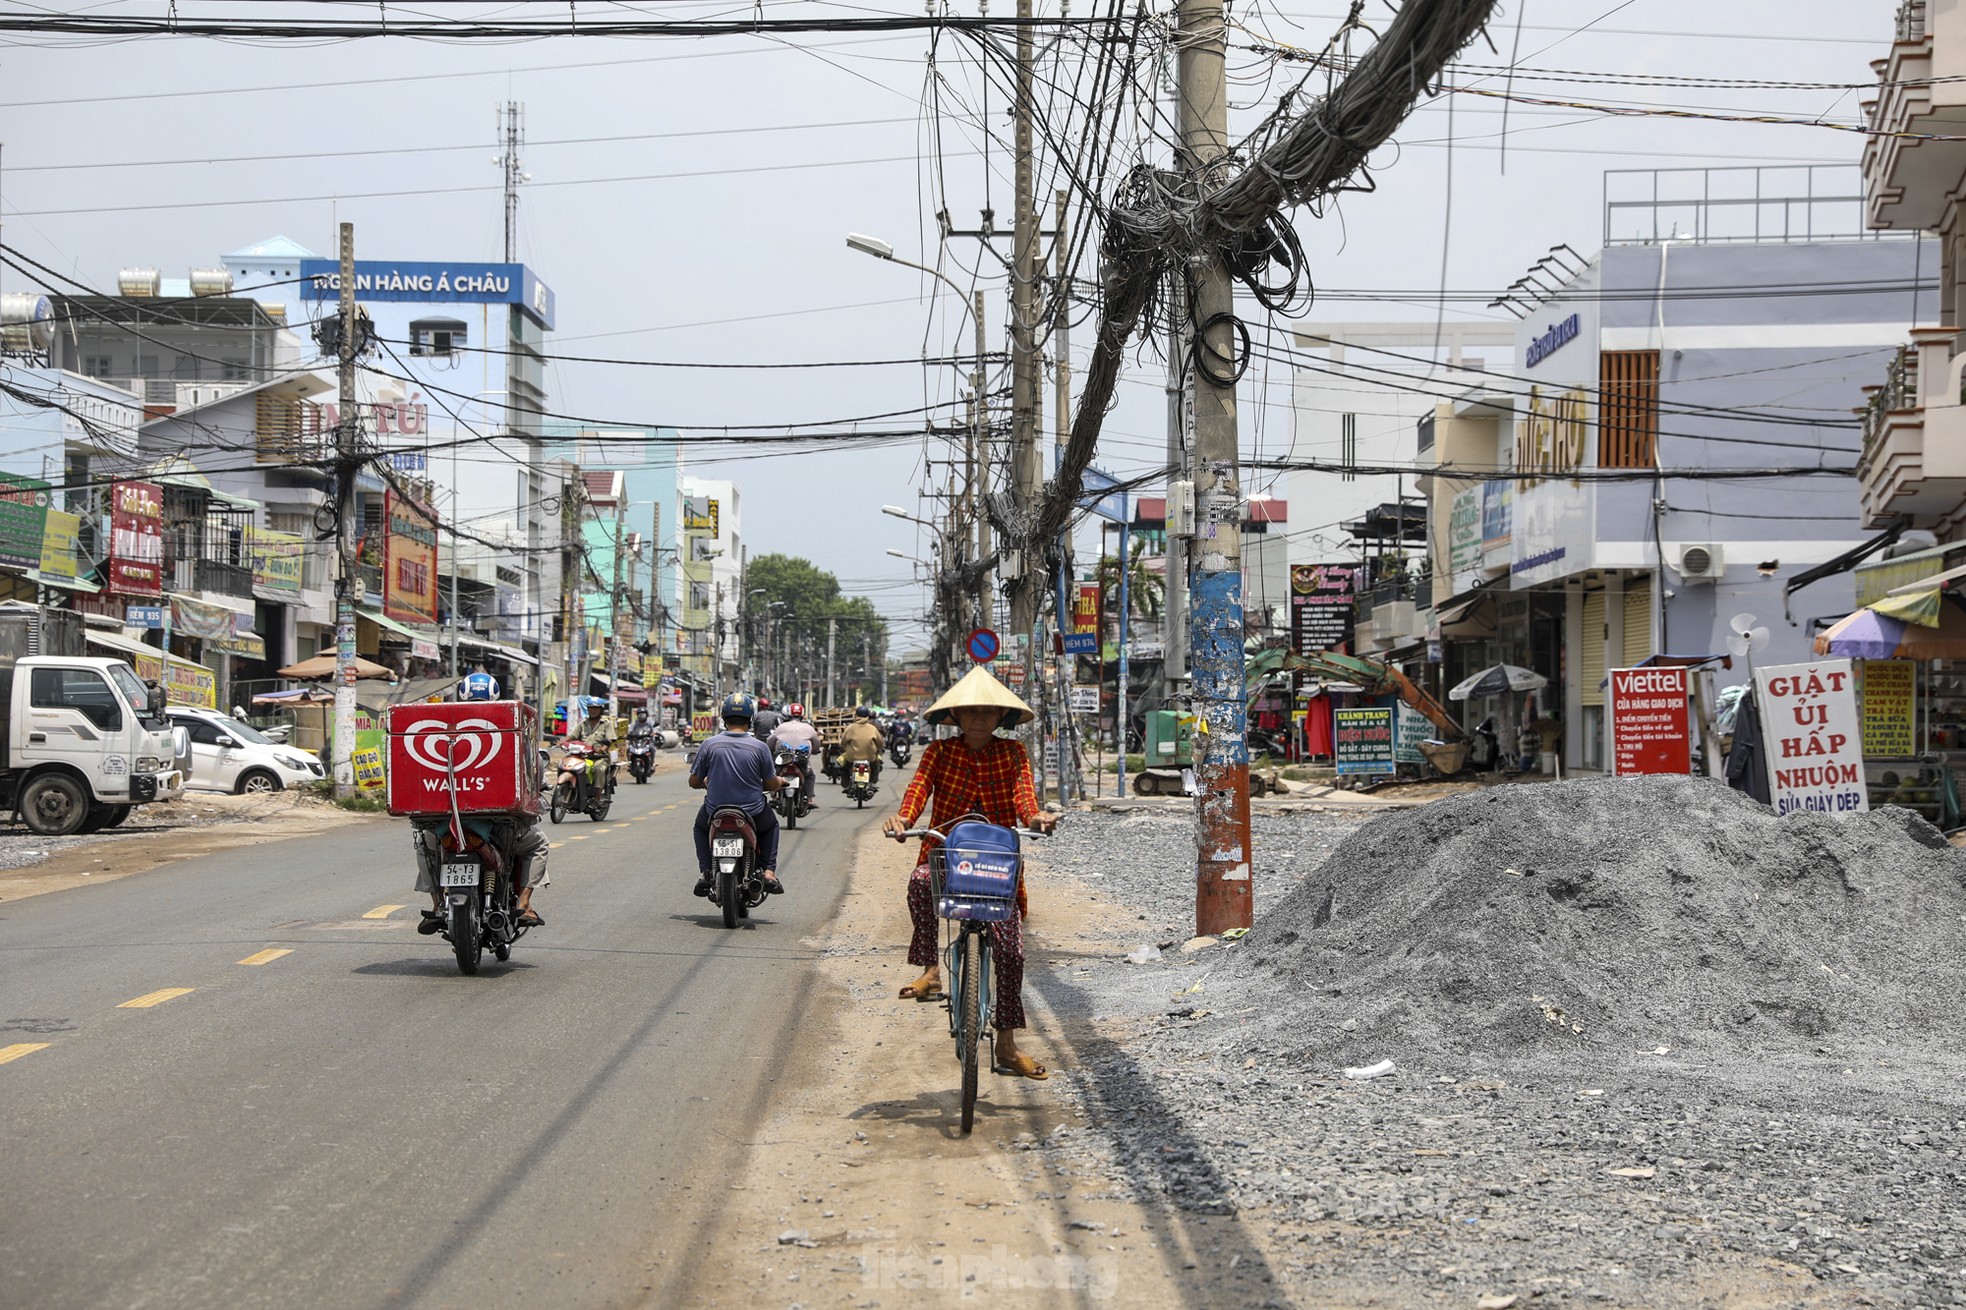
203 733
437 336
1628 409
97 366
77 689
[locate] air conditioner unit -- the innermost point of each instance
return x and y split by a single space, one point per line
1701 562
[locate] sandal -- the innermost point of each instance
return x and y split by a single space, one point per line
1029 1068
925 992
531 919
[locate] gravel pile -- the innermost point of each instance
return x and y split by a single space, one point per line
1622 912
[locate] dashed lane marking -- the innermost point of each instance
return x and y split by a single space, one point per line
267 956
156 998
18 1049
382 911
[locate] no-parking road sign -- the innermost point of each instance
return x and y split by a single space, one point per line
983 645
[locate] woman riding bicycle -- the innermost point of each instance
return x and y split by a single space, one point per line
975 773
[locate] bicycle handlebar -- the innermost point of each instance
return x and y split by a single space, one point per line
906 833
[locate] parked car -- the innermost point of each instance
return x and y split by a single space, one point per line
232 756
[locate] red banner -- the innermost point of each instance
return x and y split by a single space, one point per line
1085 608
136 538
1650 730
409 560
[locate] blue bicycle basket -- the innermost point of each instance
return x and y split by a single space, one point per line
980 867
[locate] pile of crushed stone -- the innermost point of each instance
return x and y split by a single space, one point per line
1627 913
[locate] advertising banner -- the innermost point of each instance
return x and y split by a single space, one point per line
409 560
1497 514
1083 639
1409 730
58 546
700 515
1464 539
274 558
1651 731
1321 597
1809 718
194 618
1362 740
1889 696
136 538
23 514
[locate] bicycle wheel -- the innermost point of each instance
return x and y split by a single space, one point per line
972 1020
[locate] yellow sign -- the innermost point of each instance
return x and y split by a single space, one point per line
1552 438
700 515
368 767
58 545
1889 700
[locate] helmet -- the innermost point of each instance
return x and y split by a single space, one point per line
764 702
796 710
478 686
863 712
593 705
737 706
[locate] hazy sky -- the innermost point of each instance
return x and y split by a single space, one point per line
689 198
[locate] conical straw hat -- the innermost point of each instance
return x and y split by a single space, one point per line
977 687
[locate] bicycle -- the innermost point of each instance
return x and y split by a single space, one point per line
977 892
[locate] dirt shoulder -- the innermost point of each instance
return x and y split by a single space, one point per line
860 1189
156 835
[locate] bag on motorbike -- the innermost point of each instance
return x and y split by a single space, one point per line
979 872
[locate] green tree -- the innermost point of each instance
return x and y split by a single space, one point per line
792 600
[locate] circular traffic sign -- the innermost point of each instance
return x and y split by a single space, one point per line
983 645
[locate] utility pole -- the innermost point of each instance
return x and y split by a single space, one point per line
1027 477
614 603
574 616
1222 882
717 641
984 605
347 443
832 630
866 660
1174 611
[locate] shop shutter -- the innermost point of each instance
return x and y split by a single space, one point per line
1638 623
1590 660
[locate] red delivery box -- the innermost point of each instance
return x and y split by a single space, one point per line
483 748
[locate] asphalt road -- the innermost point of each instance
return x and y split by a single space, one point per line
350 1121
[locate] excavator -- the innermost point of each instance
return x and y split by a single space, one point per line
1373 679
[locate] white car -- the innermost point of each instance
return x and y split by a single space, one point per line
228 755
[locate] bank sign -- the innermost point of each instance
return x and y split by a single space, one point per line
437 283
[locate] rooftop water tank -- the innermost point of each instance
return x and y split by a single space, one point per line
211 282
27 321
139 282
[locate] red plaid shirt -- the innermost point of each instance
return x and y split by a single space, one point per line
995 784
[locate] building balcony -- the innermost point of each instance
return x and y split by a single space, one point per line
1907 180
1914 434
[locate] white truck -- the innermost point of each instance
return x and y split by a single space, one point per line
82 739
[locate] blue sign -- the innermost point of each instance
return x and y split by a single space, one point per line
1548 343
436 283
144 616
983 645
1081 643
1099 491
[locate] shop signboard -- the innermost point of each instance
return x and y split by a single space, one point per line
1889 697
1651 731
1464 539
136 538
1497 522
23 515
1085 700
275 560
58 546
1553 532
1321 597
1362 740
409 560
195 618
1083 639
143 616
700 516
1411 728
1813 744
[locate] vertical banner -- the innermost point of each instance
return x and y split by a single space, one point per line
58 546
1083 637
1410 728
136 538
1889 698
23 519
1651 729
1809 718
409 560
1321 597
1363 740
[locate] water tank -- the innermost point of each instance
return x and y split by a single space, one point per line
211 282
139 282
276 311
27 320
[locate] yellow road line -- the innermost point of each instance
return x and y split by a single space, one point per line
156 998
382 911
577 838
18 1049
267 956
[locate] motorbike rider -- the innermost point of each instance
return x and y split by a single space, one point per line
735 768
863 741
975 773
901 733
529 850
766 720
793 733
597 734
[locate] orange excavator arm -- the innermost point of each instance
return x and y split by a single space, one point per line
1378 680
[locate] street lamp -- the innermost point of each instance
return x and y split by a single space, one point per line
900 513
902 554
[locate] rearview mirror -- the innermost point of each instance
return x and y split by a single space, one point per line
225 742
157 699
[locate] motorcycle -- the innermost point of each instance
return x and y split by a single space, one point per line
858 781
641 757
792 800
737 887
901 752
582 795
480 900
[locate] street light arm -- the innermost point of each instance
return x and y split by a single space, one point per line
882 250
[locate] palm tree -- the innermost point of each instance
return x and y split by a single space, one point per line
1146 588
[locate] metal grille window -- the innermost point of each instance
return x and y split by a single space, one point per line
1348 447
1628 409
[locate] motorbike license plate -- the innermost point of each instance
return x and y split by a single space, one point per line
460 875
729 846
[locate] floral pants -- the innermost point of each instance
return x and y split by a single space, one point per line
1006 952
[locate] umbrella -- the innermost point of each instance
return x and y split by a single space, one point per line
323 666
1869 635
1494 681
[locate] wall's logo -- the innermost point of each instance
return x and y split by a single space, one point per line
443 746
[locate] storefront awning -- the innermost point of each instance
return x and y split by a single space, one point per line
423 645
512 653
55 580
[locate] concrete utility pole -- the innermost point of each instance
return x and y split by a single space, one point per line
1222 882
614 604
983 605
832 631
574 621
1027 474
717 641
347 444
1174 606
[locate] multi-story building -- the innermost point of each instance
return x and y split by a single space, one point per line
712 581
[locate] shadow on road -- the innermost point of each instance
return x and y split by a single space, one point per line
438 966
